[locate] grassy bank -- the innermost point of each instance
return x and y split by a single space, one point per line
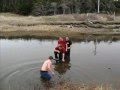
75 26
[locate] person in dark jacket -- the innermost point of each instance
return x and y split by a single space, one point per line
68 46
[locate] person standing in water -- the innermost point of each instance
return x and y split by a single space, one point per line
68 46
62 42
46 70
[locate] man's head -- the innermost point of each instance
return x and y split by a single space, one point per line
50 57
67 38
60 38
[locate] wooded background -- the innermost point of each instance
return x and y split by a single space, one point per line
53 7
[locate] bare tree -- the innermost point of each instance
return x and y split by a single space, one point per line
54 5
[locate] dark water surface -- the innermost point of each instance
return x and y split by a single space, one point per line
91 62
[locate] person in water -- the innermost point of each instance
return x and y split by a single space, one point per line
62 42
68 46
46 70
59 53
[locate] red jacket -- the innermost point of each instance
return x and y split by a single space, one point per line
62 43
62 50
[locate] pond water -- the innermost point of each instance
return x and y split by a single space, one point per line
90 62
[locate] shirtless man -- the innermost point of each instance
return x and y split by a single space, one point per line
46 69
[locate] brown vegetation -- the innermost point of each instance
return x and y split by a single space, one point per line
60 25
74 86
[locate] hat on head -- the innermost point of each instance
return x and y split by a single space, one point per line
50 57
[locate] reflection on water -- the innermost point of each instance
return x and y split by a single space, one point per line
91 62
62 68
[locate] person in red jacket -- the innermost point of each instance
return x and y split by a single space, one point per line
59 53
62 42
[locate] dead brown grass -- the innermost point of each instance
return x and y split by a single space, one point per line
55 26
73 86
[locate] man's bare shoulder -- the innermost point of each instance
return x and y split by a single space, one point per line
48 61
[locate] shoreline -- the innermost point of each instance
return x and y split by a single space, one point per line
76 26
74 35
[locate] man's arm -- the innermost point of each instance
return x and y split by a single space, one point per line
70 42
69 47
50 67
56 51
66 46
